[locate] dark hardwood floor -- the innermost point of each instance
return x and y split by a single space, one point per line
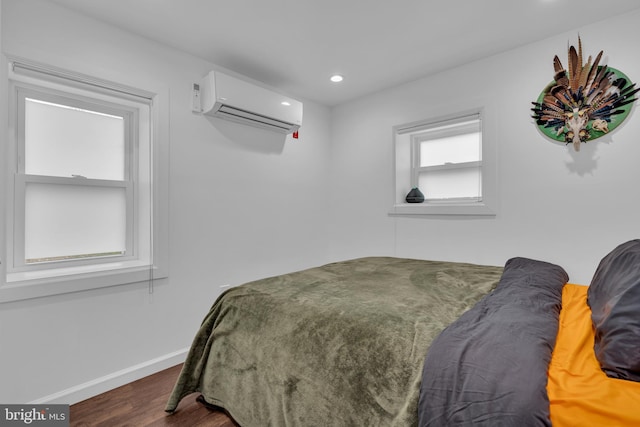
142 402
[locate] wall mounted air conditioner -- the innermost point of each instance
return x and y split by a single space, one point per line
233 99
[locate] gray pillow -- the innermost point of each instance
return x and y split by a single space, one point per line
614 299
489 367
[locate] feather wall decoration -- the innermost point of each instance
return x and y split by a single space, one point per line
584 101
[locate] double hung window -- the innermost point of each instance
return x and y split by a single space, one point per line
76 179
444 159
447 160
81 177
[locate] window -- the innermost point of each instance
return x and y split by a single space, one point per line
75 182
444 159
83 184
447 161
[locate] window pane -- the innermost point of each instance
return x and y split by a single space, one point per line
64 141
73 221
453 183
452 149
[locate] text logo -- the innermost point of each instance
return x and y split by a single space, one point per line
34 415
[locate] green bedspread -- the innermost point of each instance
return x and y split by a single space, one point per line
337 345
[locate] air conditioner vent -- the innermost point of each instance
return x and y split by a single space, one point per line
239 115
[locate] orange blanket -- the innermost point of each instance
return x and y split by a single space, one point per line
579 392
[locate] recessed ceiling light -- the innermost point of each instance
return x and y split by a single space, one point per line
336 78
286 103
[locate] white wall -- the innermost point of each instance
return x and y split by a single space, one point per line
554 204
243 205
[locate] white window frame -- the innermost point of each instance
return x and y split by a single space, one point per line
460 127
406 140
146 255
22 179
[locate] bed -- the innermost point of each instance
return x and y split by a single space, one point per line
382 341
340 344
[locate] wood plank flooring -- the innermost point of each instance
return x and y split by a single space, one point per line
141 403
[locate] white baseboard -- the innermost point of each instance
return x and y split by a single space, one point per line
100 385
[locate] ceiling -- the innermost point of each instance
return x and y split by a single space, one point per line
295 45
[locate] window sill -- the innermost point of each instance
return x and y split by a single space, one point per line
443 209
42 283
